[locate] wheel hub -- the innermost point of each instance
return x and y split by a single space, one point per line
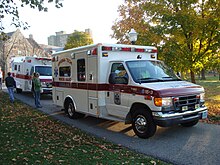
141 123
70 111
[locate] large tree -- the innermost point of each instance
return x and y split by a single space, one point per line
77 39
187 30
11 7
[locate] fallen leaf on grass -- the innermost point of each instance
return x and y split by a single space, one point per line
153 162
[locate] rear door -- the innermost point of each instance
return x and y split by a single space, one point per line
92 85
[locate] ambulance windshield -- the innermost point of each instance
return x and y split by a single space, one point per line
150 71
44 70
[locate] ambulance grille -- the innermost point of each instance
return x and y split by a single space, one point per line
188 102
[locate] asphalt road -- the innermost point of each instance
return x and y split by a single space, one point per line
177 145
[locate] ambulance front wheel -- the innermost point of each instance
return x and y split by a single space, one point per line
71 112
143 124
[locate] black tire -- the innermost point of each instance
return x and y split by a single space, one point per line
143 124
71 112
190 124
18 90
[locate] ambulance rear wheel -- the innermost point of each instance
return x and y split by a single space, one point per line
143 124
71 112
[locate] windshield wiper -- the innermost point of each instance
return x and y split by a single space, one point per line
149 79
167 77
171 79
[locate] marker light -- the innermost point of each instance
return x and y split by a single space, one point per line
94 51
108 48
151 50
139 50
154 51
126 49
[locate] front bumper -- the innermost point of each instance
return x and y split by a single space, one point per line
166 119
47 91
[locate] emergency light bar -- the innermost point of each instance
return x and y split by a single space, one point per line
128 49
125 49
40 58
47 59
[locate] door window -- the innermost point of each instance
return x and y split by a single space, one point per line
81 70
118 74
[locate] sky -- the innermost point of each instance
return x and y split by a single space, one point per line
98 15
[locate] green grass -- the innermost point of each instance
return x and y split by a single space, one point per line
27 136
212 98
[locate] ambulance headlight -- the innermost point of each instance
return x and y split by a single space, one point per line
163 102
43 83
202 99
202 96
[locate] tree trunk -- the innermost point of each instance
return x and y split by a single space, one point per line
203 74
4 73
192 74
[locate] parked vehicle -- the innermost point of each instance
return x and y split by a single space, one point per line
125 83
23 68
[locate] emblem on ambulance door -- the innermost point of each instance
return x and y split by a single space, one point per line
117 98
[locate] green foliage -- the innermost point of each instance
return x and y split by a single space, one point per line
77 39
10 7
186 30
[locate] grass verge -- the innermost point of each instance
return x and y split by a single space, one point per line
212 98
29 137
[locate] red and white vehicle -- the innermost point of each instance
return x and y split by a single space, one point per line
124 83
23 68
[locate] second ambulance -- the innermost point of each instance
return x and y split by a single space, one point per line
23 68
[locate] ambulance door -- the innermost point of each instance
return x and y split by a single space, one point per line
117 96
92 85
81 92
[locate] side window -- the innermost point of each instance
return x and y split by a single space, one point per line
15 67
65 71
32 71
118 74
119 69
81 70
19 68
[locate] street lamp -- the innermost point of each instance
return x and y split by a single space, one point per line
133 36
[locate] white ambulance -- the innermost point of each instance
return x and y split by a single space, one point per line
124 83
23 68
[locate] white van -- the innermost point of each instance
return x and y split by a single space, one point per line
124 83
